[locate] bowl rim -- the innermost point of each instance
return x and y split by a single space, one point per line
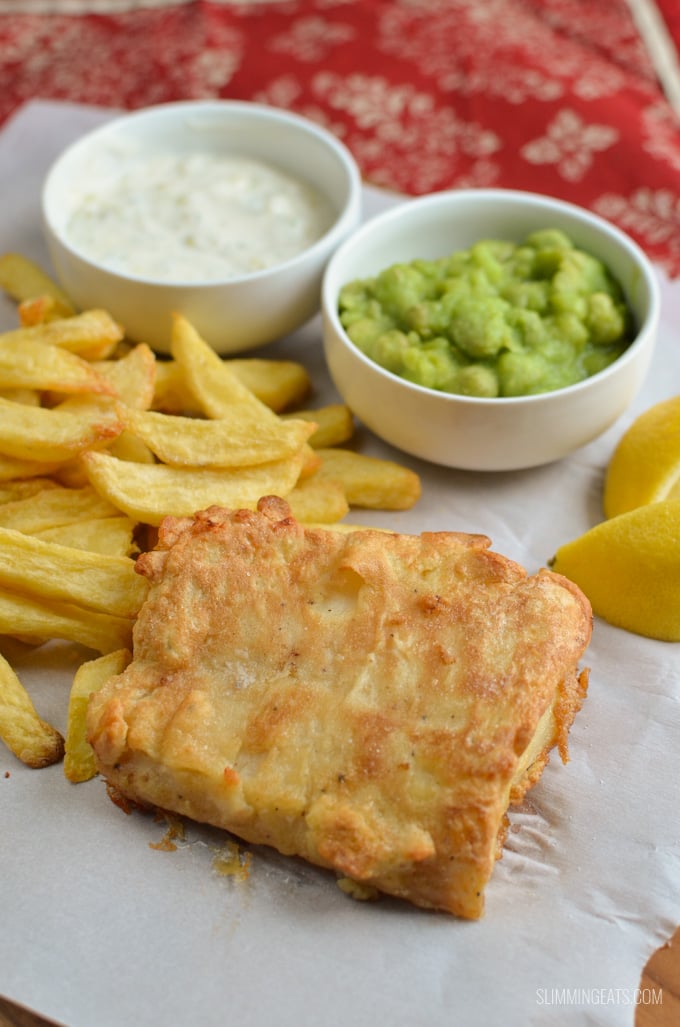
118 124
645 331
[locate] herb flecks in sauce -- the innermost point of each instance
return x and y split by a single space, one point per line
196 217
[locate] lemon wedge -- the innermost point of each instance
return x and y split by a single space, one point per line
629 568
645 466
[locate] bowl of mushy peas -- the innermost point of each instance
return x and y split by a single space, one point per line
489 329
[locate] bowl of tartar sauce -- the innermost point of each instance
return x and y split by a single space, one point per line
224 211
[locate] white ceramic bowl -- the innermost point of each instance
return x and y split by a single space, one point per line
236 314
467 432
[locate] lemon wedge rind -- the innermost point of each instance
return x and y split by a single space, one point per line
629 568
645 466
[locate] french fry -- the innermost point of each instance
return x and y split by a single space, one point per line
334 424
279 384
133 377
79 762
147 492
129 380
370 482
209 379
39 309
113 536
86 406
29 363
47 570
318 500
27 433
237 439
311 463
31 739
130 447
10 491
171 395
23 279
29 397
92 335
71 474
35 620
54 506
12 469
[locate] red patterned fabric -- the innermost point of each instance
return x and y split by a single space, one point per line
556 96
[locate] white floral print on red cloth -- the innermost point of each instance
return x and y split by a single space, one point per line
556 96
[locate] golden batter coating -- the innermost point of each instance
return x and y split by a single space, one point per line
371 702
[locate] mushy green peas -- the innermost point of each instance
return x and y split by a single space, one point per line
499 319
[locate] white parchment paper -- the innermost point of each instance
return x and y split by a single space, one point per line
98 929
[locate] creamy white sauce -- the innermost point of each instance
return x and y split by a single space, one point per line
196 217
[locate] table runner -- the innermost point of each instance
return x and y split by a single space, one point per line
571 98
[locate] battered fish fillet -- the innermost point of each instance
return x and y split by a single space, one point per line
371 702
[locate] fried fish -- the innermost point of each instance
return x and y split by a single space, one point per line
371 702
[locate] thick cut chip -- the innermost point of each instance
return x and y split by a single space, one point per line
79 762
54 506
147 492
371 482
210 380
334 424
22 279
130 447
280 384
43 435
21 488
29 397
47 570
114 536
93 334
85 406
171 395
371 702
12 469
318 500
39 309
311 461
133 377
29 363
39 620
129 379
238 439
72 474
31 739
